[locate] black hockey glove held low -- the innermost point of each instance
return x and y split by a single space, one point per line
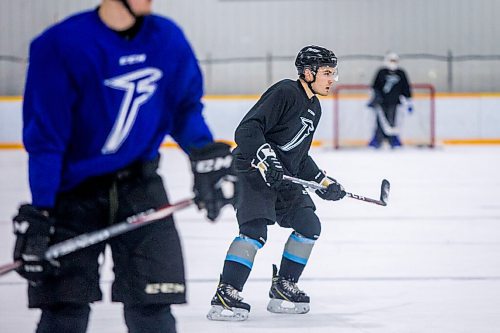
214 179
33 229
376 100
334 191
269 166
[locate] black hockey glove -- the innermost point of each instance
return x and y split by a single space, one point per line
376 100
409 105
269 166
214 179
33 229
334 191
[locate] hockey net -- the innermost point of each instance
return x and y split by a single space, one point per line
354 122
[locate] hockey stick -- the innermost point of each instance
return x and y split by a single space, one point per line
85 240
384 123
384 190
9 267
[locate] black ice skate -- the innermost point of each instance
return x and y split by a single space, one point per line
286 297
227 305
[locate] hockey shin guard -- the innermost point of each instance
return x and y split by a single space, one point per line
239 261
295 255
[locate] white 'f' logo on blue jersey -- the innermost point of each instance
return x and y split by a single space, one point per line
139 86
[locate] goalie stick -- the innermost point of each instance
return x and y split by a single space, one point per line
384 190
384 123
85 240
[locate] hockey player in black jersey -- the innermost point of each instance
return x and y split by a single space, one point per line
274 139
390 89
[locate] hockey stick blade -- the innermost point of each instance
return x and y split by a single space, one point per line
85 240
384 194
384 191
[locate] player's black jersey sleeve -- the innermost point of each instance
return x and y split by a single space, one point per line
308 169
284 117
263 117
406 90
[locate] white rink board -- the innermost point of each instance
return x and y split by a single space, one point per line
460 117
427 263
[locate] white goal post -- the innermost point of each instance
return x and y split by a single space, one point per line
354 122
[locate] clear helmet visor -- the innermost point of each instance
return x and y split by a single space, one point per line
336 74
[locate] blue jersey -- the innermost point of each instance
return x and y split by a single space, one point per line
96 102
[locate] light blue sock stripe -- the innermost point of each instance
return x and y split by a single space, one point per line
302 239
240 260
296 259
254 242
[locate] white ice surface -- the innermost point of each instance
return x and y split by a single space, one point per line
427 263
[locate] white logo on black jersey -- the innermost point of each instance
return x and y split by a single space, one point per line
139 86
21 227
311 112
307 128
390 81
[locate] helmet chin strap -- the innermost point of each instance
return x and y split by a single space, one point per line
309 84
129 9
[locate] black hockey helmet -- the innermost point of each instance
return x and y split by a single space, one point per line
314 57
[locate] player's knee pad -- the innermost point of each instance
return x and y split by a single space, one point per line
255 229
150 318
64 318
298 248
306 223
252 237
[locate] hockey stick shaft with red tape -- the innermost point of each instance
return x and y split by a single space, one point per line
88 239
384 190
9 267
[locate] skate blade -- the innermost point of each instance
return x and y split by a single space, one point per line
220 313
282 306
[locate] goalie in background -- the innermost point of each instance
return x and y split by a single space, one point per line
274 139
391 89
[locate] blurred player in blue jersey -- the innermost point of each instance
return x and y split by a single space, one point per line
103 89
